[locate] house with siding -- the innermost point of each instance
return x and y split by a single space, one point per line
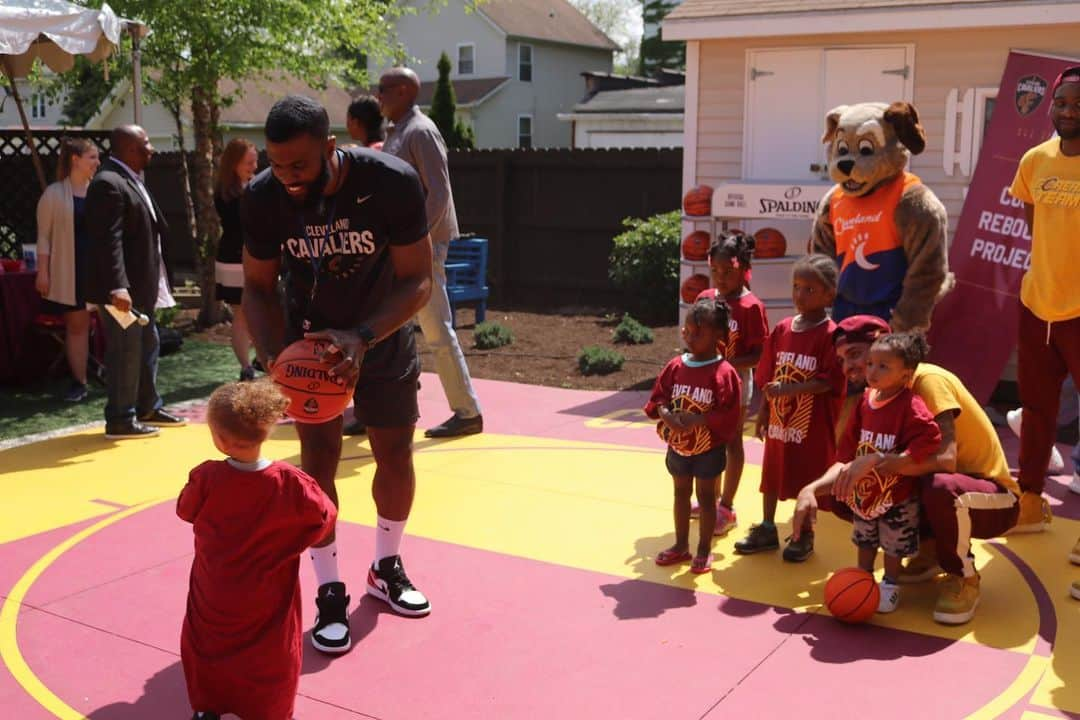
621 111
760 77
515 65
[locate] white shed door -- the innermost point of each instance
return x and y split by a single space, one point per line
791 90
784 124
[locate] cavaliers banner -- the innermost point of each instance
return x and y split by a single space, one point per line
974 328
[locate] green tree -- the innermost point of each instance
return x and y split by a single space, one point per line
443 112
621 21
194 46
655 52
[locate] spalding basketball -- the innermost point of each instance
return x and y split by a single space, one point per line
692 287
769 243
695 246
698 201
314 395
852 595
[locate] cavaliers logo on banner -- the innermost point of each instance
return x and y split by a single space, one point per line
1030 91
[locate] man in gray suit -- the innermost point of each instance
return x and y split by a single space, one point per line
414 138
127 271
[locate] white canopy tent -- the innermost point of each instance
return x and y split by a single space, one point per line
56 31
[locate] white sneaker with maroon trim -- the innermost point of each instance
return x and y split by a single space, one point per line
387 581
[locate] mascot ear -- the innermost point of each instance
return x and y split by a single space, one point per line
832 121
905 121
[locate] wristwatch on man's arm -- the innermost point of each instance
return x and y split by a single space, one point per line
367 335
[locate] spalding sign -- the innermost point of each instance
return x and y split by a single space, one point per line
768 200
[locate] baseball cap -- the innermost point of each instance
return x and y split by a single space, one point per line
1070 75
860 329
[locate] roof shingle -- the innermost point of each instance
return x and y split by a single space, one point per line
701 9
552 20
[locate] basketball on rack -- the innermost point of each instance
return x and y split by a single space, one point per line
302 376
769 243
695 246
692 287
698 201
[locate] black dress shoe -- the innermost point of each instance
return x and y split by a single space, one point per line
355 428
456 426
129 430
160 418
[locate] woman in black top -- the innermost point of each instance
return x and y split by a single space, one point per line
238 164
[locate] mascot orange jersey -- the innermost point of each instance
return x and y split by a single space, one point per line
869 249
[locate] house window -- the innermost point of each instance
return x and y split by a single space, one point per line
465 59
525 63
525 131
38 106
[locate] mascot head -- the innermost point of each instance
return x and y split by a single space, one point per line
870 143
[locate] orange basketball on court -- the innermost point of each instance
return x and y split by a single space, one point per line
314 395
695 246
769 243
692 287
852 595
698 201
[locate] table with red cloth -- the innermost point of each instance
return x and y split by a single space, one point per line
19 305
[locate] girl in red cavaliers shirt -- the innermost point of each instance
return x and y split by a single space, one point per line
241 641
891 424
696 400
803 384
729 265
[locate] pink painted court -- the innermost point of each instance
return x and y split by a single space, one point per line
535 542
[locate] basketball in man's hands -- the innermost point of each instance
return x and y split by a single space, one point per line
315 396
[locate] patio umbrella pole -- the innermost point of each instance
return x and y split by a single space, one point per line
10 75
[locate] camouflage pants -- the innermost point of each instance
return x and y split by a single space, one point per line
896 532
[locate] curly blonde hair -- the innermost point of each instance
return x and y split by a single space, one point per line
246 411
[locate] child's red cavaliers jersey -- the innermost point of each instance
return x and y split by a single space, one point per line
800 440
710 388
748 325
902 424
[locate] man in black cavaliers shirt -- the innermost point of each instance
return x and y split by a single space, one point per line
346 229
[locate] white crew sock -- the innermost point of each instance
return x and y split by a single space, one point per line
388 535
324 560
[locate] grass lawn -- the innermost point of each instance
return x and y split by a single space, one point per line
192 372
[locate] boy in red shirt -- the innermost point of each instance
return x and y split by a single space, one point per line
241 641
889 419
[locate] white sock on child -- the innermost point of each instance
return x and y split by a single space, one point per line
324 560
388 535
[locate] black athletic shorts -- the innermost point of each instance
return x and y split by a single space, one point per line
706 465
385 394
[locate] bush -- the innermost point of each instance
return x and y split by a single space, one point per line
491 335
644 263
596 360
631 332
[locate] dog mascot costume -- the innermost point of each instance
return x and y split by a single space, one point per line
885 228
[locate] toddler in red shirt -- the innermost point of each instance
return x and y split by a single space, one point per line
891 432
252 518
696 400
730 256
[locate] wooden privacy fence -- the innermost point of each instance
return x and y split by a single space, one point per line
549 215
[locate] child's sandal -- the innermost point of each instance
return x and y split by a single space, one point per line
671 557
701 565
